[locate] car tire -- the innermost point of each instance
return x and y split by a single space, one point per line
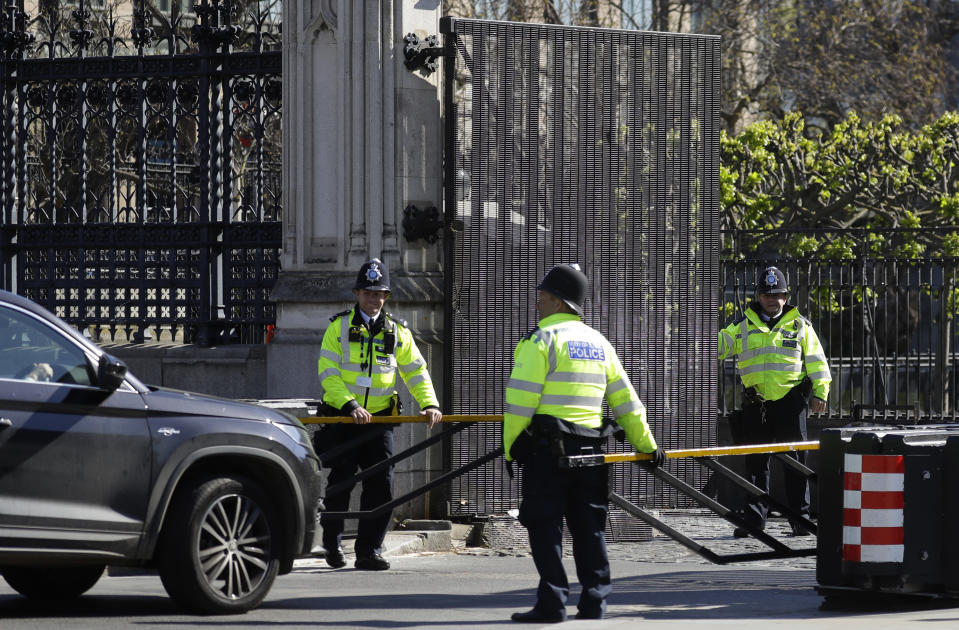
219 550
52 583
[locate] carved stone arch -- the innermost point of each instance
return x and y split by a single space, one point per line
328 11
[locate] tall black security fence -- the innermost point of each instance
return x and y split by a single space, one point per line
884 304
592 146
140 157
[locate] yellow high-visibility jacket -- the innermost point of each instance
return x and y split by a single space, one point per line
774 361
564 368
355 367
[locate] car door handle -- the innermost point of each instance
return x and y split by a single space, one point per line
5 422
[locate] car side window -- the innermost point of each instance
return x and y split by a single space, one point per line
31 351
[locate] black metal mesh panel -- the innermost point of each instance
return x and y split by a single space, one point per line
592 146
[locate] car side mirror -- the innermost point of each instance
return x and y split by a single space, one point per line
110 372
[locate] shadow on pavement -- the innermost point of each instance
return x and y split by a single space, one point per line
750 594
691 595
17 607
746 594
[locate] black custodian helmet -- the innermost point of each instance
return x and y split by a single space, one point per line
772 281
567 283
373 276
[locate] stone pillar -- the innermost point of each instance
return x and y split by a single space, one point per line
362 139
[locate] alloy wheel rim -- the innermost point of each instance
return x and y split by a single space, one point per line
233 548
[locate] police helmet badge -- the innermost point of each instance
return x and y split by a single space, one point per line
373 273
771 279
373 276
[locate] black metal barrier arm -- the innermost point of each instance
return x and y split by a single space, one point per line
707 457
713 464
416 448
459 423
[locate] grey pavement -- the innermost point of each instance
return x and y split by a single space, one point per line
462 590
656 583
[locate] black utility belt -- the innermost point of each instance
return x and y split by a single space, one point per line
584 446
753 397
571 445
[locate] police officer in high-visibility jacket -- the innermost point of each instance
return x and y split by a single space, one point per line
362 350
783 369
561 372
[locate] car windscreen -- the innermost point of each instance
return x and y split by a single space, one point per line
32 351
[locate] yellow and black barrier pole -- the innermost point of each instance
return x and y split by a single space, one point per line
399 419
576 461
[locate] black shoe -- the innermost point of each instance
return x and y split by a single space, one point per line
535 616
374 562
335 558
799 530
740 532
585 615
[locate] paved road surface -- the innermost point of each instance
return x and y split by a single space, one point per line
480 589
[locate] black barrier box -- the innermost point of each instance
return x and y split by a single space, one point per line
888 510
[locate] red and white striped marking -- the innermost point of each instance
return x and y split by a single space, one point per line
872 523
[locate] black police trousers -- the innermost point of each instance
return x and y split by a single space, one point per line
581 496
377 489
776 421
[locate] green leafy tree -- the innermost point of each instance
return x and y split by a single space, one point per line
870 175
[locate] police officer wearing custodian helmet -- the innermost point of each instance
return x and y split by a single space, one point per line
781 364
363 348
561 372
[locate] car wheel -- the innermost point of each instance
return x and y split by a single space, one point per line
220 546
52 583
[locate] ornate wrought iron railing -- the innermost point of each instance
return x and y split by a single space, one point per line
140 157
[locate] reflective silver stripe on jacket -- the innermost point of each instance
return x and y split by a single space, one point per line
616 386
818 375
551 344
416 380
332 356
787 352
358 369
409 367
813 358
771 367
630 406
519 410
373 391
345 336
576 377
328 372
525 386
728 341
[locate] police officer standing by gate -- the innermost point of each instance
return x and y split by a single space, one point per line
781 364
362 350
561 372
